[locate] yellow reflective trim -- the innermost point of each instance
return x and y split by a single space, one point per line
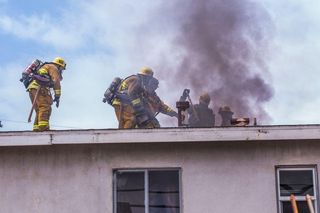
123 86
43 123
167 108
42 71
116 102
35 127
57 92
136 101
33 85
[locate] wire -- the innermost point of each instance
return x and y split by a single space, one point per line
54 125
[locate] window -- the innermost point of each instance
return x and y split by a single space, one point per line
147 191
299 182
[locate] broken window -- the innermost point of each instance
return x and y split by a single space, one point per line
147 191
298 182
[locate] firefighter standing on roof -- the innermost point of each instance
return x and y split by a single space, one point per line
128 104
43 99
200 114
155 105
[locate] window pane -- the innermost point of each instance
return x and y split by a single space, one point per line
130 192
298 183
164 192
302 207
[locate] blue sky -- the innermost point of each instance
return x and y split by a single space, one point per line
98 39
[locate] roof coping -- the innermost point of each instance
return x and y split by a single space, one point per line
162 135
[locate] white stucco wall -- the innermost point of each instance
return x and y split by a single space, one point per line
218 176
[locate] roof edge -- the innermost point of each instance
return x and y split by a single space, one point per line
162 135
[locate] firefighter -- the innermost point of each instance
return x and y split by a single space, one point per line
128 104
200 114
155 105
39 92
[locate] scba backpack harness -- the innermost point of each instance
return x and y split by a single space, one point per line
31 73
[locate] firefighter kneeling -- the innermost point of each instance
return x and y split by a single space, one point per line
129 101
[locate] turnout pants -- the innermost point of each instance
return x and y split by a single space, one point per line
125 116
42 107
127 119
151 124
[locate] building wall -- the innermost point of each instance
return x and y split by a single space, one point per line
220 177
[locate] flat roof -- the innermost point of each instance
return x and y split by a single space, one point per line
162 135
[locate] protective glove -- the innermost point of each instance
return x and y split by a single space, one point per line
57 100
173 114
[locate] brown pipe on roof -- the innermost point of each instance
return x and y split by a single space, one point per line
182 106
309 202
294 204
240 121
226 115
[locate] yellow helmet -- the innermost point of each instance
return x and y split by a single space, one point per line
60 61
146 71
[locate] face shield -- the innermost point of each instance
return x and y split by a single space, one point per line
152 85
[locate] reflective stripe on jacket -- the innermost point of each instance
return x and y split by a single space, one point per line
52 71
131 87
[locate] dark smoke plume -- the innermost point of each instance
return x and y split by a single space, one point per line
223 49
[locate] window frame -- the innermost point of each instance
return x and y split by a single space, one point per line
281 199
146 184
